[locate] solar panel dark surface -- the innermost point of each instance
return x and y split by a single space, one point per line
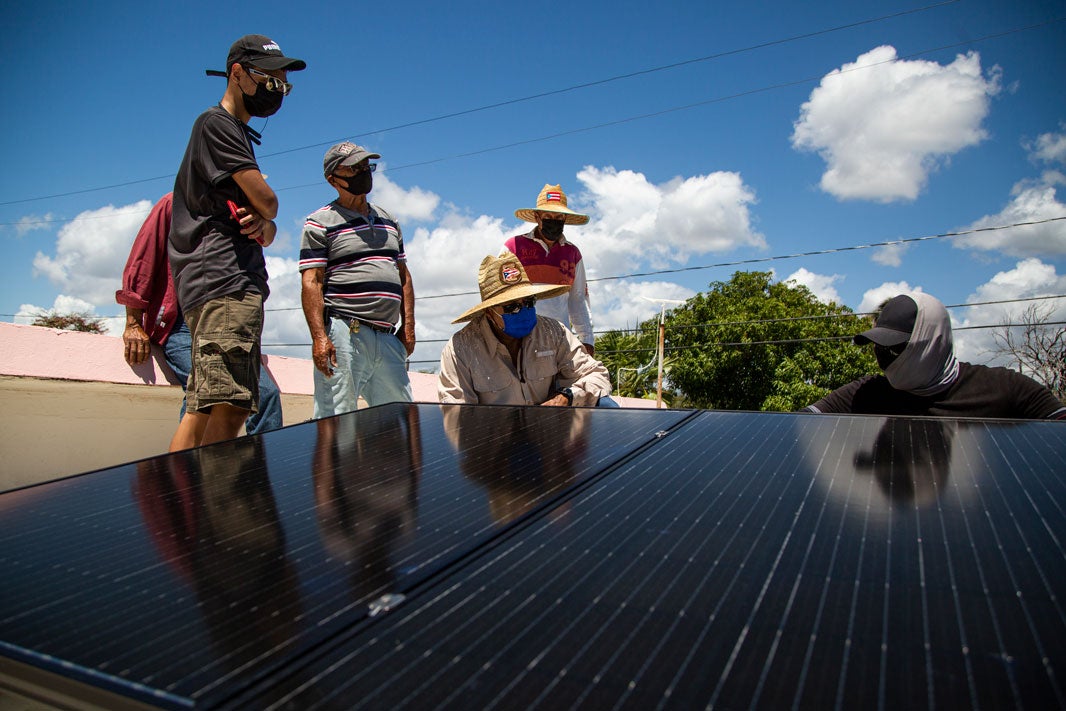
558 558
180 579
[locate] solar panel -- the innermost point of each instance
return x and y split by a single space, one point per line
181 579
493 556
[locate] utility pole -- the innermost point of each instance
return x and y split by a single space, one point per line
662 341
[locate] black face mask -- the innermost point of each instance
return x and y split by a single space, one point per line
884 356
358 184
552 229
263 102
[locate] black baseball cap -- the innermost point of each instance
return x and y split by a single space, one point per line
263 53
894 324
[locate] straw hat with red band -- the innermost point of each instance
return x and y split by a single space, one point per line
552 199
502 279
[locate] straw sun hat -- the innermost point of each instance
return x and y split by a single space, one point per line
552 199
503 279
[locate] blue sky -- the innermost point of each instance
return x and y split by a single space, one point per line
916 125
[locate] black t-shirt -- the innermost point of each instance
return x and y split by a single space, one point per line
209 257
980 391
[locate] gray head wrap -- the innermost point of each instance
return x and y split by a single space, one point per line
928 364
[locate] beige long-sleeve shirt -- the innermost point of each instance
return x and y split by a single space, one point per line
475 368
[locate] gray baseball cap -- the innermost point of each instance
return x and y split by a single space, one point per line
346 153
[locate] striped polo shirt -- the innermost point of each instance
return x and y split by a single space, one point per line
360 256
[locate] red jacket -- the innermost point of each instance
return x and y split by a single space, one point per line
146 280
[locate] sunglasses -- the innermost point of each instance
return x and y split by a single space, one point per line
359 169
271 83
516 306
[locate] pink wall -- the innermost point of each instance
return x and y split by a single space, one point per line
35 352
32 351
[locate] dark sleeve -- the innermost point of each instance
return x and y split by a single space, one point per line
225 149
840 400
1033 400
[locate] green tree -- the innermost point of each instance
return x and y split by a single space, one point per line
751 344
70 322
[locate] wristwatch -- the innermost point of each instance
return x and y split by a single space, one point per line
567 392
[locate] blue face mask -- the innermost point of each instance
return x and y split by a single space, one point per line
521 324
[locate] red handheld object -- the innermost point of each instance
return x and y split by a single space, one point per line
233 213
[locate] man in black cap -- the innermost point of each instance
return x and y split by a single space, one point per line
222 218
913 345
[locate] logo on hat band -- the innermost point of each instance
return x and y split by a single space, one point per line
509 274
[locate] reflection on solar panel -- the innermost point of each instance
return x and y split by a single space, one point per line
494 556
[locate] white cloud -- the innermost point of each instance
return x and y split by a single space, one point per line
1032 200
635 224
625 304
444 261
1029 277
821 285
284 320
413 205
890 255
664 224
1049 147
29 223
883 124
873 298
91 251
72 305
28 312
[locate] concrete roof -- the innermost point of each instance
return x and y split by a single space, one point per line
70 403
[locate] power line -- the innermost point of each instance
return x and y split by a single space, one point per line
811 339
726 323
813 253
598 82
819 339
715 324
531 97
548 137
87 190
618 77
834 250
685 107
857 314
770 259
770 320
71 220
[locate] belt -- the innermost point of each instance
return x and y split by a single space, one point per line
354 324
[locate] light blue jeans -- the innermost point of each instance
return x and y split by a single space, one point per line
369 363
178 353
